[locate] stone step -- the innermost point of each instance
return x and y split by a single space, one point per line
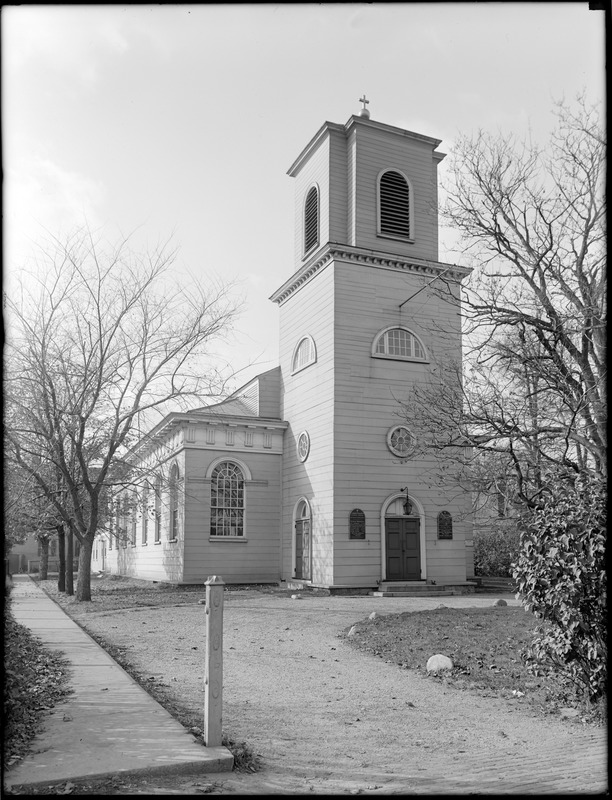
425 593
418 588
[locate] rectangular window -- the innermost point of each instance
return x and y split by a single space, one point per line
145 513
111 523
158 510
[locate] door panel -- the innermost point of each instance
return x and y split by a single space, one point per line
403 549
302 549
298 549
306 560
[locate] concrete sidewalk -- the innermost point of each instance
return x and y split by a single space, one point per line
109 725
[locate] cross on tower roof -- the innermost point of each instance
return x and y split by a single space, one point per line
364 111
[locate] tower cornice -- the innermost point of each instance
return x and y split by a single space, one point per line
354 122
371 258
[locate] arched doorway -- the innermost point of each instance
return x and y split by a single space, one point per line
403 541
303 543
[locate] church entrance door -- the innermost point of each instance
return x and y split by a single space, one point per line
302 550
403 549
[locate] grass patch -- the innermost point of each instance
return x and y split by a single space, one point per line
35 680
486 647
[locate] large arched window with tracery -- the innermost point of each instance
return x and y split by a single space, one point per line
227 500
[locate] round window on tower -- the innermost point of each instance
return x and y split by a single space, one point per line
303 446
400 441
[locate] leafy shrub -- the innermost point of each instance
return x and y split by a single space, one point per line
562 579
35 679
495 551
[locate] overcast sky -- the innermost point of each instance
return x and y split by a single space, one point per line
182 121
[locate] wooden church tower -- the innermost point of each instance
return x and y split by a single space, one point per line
357 508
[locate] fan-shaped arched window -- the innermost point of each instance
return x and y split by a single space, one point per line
227 500
394 205
311 219
304 354
398 343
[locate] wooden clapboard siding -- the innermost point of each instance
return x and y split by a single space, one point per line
254 559
269 393
307 403
338 189
366 391
375 150
350 401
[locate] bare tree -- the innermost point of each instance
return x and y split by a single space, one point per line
98 337
532 387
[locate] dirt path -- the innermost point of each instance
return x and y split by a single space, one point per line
328 719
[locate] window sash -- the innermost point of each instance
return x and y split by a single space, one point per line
227 500
401 343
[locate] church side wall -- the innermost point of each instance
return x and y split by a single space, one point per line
367 391
308 405
252 559
376 150
161 561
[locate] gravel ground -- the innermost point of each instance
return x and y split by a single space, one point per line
326 718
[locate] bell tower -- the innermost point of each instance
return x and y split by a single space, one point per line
358 325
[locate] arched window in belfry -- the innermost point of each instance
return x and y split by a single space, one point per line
394 205
311 219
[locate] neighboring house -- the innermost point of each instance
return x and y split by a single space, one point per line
26 557
307 472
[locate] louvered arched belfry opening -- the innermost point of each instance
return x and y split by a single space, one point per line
394 200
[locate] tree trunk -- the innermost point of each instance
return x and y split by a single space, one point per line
83 591
69 563
61 552
44 558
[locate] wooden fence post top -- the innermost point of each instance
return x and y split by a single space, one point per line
215 580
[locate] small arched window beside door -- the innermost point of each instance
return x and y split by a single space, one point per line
445 525
357 524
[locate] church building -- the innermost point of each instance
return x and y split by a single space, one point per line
307 474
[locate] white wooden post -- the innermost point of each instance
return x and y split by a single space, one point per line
213 681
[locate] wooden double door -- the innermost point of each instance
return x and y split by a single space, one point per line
403 549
